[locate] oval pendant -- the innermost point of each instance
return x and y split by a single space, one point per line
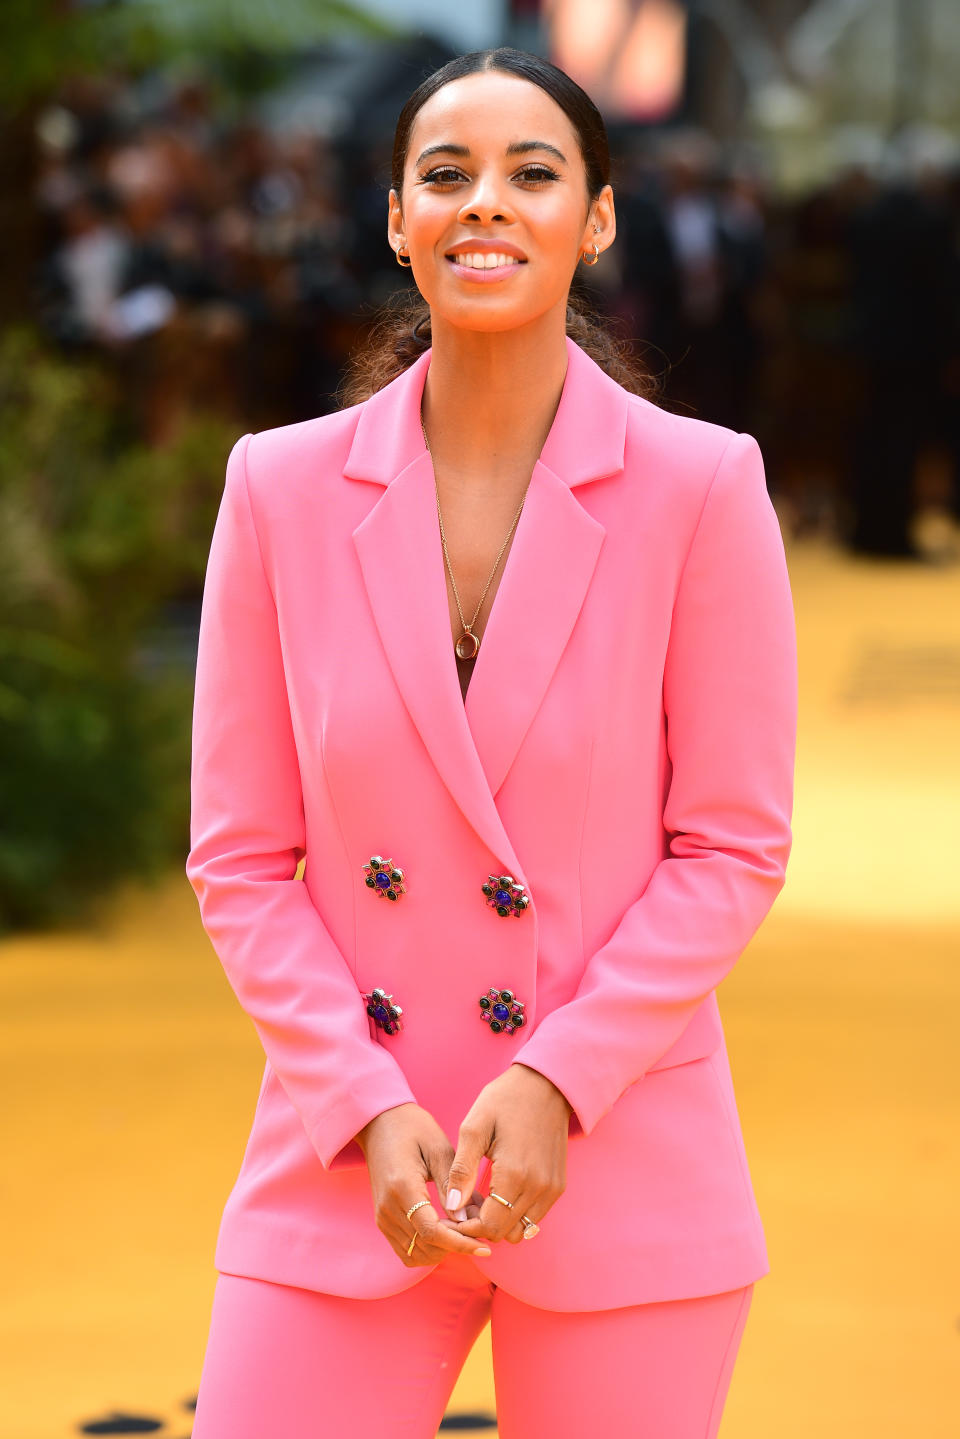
467 646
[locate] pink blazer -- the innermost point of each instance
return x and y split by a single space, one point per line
625 752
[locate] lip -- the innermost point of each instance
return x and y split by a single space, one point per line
483 277
484 247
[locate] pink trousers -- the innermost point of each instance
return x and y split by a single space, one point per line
290 1363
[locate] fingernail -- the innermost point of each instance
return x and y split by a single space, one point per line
454 1199
461 1212
482 1253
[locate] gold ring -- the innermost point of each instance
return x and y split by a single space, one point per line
501 1199
414 1207
412 1243
529 1228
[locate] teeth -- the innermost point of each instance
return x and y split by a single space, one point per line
485 262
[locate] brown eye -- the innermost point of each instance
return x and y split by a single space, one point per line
537 174
434 175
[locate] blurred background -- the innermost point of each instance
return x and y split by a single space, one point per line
193 204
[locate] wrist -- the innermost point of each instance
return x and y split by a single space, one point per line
518 1063
362 1137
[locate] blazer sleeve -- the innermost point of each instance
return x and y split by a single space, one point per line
730 700
247 836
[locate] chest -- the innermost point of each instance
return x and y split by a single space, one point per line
478 532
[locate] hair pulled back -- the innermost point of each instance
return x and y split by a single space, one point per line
400 329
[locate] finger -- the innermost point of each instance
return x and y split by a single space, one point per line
432 1235
470 1210
462 1175
422 1252
496 1220
474 1229
419 1256
447 1237
499 1219
438 1160
533 1212
525 1204
473 1224
400 1231
480 1226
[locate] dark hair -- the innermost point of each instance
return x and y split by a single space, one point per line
576 104
400 330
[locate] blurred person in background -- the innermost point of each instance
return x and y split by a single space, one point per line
87 271
504 653
717 243
904 259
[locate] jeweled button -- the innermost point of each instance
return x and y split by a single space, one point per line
384 1013
384 877
501 1010
505 894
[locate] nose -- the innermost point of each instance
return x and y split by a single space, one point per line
486 201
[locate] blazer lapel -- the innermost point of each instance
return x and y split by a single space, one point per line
535 608
403 571
541 592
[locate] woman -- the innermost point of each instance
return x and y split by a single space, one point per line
496 1083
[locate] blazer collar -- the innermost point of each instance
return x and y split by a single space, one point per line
544 582
585 442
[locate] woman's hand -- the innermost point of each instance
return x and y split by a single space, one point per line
522 1121
404 1148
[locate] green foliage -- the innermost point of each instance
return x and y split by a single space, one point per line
97 534
42 41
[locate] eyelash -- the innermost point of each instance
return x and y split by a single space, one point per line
542 172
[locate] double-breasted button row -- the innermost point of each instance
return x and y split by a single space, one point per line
500 1009
502 892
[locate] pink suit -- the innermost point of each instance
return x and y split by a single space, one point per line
625 751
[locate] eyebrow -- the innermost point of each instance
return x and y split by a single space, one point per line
519 147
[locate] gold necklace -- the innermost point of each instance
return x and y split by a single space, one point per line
468 644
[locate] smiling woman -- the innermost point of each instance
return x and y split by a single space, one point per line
540 192
402 331
504 1094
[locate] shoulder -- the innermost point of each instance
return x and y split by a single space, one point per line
282 454
288 470
685 456
685 444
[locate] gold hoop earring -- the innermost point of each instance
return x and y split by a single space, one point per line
596 255
401 261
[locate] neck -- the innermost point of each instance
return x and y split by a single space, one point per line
490 398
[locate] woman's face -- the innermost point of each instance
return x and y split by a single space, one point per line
471 186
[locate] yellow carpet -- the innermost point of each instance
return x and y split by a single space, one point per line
131 1076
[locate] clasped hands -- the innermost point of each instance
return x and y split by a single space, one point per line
520 1119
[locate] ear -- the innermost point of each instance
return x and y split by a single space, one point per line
602 213
395 234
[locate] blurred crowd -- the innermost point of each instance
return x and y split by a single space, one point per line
219 260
